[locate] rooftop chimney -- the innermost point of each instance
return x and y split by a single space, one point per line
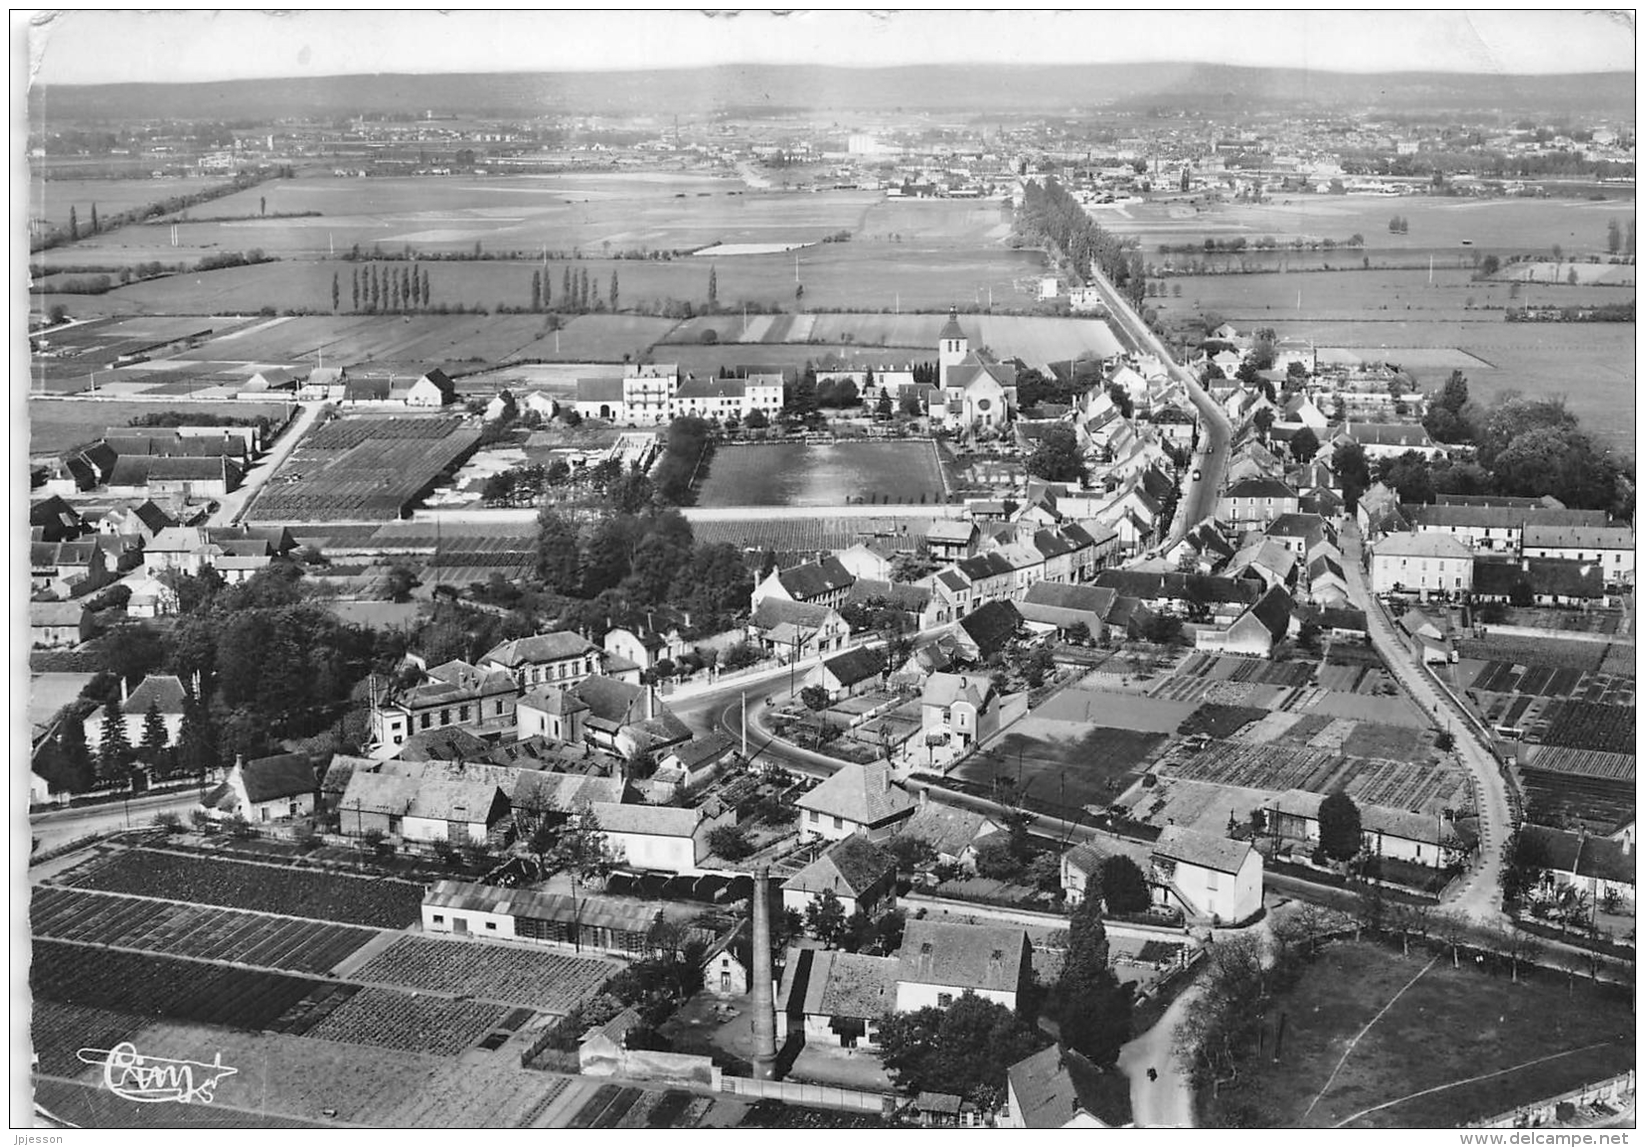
125 692
764 995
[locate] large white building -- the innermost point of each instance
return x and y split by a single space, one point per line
1207 877
973 391
655 393
1428 565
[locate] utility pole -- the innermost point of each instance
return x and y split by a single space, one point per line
745 725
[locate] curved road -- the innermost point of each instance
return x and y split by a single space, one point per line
1199 500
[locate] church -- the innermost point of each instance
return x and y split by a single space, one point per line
974 391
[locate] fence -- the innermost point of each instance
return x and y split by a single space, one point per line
1612 1092
818 1095
1152 1006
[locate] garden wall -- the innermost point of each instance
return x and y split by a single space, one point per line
1614 1092
792 1092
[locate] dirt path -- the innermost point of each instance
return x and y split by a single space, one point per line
1358 1036
1169 1101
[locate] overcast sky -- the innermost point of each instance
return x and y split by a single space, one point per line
104 47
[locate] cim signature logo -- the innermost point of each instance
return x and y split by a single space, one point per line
154 1079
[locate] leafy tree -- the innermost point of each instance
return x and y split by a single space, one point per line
966 1048
1525 862
730 843
756 420
882 408
1263 420
557 552
815 698
1339 826
401 580
1079 634
1164 629
910 852
1354 471
1057 458
1124 888
1408 475
1304 445
825 918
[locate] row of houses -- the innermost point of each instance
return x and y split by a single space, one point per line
131 462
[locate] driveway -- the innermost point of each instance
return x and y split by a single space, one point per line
1477 895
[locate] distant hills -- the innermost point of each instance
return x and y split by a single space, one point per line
749 91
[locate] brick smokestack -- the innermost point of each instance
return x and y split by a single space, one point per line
765 1010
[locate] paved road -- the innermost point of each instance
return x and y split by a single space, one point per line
59 828
232 506
1199 500
1478 895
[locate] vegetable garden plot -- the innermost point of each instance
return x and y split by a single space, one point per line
376 901
385 1018
58 1030
1534 651
1220 721
1584 725
545 980
147 985
1584 762
192 930
93 1106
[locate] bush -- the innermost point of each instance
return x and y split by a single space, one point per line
739 657
168 821
240 828
730 843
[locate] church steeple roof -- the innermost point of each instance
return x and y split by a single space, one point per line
951 329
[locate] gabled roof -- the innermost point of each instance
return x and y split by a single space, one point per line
962 956
815 579
1053 1085
1062 604
454 800
164 690
454 743
380 793
944 689
1579 537
991 625
980 567
539 648
953 531
773 612
855 665
903 595
700 750
1424 545
1255 487
952 328
543 790
1411 435
850 868
863 794
828 982
948 829
1202 849
283 775
651 820
1086 858
1272 612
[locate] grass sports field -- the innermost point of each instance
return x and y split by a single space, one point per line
791 474
1476 1044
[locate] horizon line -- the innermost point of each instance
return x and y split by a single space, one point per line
843 66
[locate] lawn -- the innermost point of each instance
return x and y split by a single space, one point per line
793 474
1063 766
56 426
1449 1026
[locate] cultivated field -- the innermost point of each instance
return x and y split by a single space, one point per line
1117 710
1440 224
1502 677
192 930
634 211
911 337
1589 725
146 985
1418 786
1438 1033
378 902
1554 653
1061 766
50 199
383 1018
548 981
362 469
794 474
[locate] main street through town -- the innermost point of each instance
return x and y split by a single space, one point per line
1199 499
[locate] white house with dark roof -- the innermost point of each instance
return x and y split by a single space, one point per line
1080 869
1388 440
696 761
659 837
1256 501
164 691
1420 838
975 391
795 631
1612 547
454 694
824 583
858 872
951 830
560 657
1206 877
848 673
857 799
53 624
1428 565
273 788
940 962
965 707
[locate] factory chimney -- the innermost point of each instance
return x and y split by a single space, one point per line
765 1011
